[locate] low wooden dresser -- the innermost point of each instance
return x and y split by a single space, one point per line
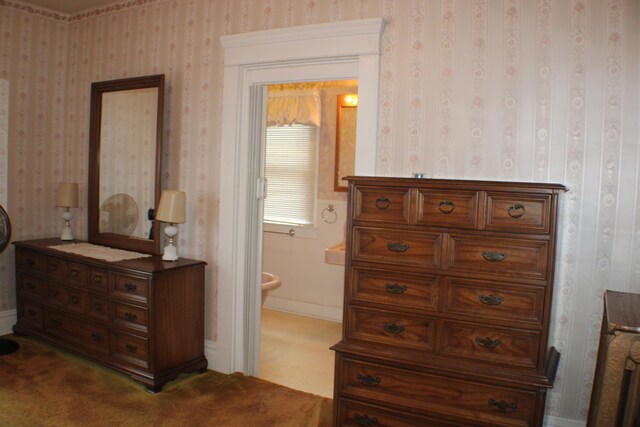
143 317
448 294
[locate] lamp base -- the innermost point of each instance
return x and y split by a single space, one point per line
170 253
66 233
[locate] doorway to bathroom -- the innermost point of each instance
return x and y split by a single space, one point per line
309 146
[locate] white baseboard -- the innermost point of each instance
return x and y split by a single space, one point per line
7 320
550 421
317 311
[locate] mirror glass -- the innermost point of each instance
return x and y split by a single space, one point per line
345 140
125 162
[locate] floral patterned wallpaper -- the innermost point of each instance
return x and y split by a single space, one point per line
533 90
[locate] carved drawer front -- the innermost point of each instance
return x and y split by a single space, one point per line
30 262
30 313
98 307
130 316
356 414
397 289
503 346
130 288
55 295
74 273
454 399
53 268
400 247
520 213
448 208
493 300
390 205
75 300
98 280
397 329
522 258
29 286
131 349
79 331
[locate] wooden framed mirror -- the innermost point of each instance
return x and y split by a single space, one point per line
125 162
345 140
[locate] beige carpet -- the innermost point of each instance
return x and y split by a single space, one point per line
43 386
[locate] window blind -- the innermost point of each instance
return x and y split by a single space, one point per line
290 170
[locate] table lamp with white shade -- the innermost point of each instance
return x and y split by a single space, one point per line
172 210
67 198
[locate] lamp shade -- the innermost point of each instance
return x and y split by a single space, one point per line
172 207
67 195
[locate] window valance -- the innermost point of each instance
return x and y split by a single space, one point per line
293 106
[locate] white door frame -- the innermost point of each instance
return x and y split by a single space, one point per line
333 51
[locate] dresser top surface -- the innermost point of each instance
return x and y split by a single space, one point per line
150 264
622 311
454 183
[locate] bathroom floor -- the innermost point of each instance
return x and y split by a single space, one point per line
294 351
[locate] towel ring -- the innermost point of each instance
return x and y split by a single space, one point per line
327 212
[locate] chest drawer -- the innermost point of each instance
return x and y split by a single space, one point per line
30 313
447 208
98 280
29 286
449 397
508 257
131 349
388 205
397 289
357 414
97 306
39 265
397 329
131 288
494 300
87 334
74 273
519 213
400 247
130 316
503 346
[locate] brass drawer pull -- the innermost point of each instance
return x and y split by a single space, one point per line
75 273
31 262
382 203
31 286
75 299
491 299
97 337
516 211
397 247
53 293
446 206
131 348
97 278
97 305
31 312
368 380
365 420
52 267
494 256
392 328
394 288
131 317
487 342
130 287
502 406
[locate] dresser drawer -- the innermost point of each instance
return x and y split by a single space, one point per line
75 300
397 289
400 247
453 399
357 414
520 213
30 313
98 307
503 346
98 280
74 274
29 286
131 288
494 300
508 257
39 265
448 208
131 349
78 331
397 329
130 316
389 205
55 295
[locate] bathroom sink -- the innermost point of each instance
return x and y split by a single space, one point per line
335 254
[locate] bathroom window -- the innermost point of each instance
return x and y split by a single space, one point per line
291 173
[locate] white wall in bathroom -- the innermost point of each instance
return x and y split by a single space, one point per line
310 286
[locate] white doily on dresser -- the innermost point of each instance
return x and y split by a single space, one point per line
98 252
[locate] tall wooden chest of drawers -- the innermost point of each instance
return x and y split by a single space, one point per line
143 317
448 293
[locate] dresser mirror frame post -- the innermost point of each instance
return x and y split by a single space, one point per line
97 145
